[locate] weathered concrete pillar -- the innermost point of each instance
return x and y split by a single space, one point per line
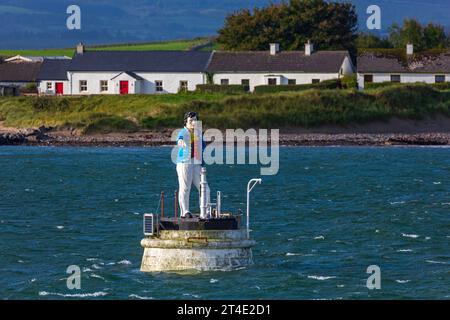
203 250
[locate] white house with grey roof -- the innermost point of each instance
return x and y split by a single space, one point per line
124 72
375 66
52 78
158 72
275 67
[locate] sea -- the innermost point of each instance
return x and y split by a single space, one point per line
323 224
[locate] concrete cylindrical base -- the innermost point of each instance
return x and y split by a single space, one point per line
203 250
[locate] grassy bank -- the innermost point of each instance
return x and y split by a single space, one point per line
287 109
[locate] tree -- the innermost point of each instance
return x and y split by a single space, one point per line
435 36
329 25
429 37
370 40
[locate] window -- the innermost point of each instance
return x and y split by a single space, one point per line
224 82
292 82
183 86
159 86
246 84
314 81
272 81
49 86
395 78
440 79
368 78
83 85
103 85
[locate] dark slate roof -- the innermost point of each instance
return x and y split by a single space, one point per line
19 72
54 70
373 62
144 61
284 61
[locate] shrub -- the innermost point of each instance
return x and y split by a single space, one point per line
442 86
349 82
30 88
50 103
377 85
229 89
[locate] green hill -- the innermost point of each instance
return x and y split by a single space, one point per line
164 45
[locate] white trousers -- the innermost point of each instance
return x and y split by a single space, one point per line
189 174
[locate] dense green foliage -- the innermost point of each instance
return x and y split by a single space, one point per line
329 25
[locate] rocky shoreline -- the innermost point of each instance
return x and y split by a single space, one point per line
51 137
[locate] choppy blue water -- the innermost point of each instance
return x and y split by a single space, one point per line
319 223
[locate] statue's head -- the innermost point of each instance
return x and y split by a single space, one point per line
190 120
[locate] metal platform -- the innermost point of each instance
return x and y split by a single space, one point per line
229 223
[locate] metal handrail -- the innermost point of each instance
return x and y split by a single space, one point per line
251 184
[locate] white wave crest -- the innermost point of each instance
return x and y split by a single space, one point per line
402 281
436 262
414 236
97 276
321 278
135 296
77 295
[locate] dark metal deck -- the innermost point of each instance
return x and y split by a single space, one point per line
231 223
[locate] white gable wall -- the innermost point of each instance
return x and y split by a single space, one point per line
348 67
171 82
404 77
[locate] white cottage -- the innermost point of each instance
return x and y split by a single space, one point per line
52 78
275 67
390 66
136 72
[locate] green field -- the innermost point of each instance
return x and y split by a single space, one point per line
308 109
166 45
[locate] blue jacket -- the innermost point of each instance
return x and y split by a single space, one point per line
185 154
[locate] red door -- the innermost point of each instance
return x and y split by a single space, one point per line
123 87
59 87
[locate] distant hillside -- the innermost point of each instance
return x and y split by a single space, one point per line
198 43
41 24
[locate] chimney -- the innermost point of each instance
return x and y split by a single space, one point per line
274 49
80 48
409 49
309 48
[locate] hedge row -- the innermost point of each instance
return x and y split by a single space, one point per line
386 84
328 84
213 88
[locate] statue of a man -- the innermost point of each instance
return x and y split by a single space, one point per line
189 162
